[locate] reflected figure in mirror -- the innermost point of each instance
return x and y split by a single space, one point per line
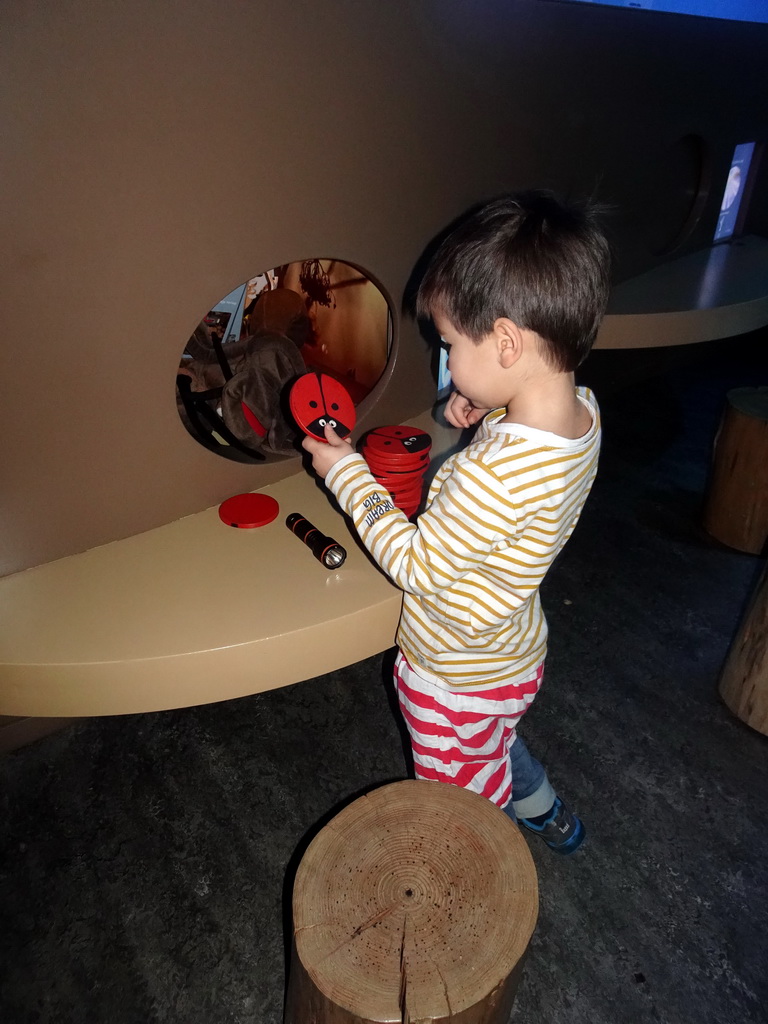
253 401
244 383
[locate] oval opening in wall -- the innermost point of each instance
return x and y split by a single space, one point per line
237 367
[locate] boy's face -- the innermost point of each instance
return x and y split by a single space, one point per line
474 366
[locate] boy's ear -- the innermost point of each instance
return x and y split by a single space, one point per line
509 341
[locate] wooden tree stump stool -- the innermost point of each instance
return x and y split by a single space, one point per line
415 904
744 679
736 510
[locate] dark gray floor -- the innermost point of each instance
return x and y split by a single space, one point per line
146 861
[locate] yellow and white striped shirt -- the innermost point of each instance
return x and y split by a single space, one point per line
497 515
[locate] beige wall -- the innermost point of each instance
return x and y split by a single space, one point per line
156 155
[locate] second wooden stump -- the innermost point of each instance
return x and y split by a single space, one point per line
736 509
416 903
744 679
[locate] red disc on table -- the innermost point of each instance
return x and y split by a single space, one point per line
248 510
317 399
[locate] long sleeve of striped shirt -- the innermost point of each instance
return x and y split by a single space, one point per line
466 518
496 516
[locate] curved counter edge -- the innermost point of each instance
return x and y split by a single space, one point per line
194 612
689 327
187 680
717 292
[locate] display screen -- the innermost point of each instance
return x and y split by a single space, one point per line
733 193
728 10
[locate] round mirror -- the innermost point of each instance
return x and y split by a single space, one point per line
237 368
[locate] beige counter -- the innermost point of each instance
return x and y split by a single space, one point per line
193 612
190 613
714 293
196 611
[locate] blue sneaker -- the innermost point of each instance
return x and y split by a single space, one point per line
562 831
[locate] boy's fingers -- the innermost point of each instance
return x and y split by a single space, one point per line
332 437
313 445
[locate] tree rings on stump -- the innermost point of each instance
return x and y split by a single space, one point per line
416 903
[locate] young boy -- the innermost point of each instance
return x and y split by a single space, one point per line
517 292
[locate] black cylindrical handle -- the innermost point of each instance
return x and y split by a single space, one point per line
325 549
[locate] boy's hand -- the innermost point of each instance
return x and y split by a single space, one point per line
460 412
325 456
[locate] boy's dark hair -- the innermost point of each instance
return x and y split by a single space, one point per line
527 257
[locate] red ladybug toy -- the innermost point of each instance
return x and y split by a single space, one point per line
316 400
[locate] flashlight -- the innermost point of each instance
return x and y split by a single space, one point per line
325 549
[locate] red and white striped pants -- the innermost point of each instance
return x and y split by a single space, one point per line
463 736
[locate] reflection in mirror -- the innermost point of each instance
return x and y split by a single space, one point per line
238 366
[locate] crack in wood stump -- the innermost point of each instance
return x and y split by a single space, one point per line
404 1015
370 923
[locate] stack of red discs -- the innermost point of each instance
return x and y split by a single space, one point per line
398 457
